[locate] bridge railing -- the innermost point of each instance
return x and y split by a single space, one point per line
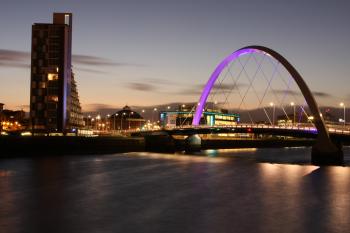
297 127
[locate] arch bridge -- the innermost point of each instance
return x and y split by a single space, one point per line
324 151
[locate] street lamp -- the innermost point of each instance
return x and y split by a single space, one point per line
89 120
293 105
98 117
121 121
132 113
273 113
114 120
154 110
107 122
343 105
92 123
168 107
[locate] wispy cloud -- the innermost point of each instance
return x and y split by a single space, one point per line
86 63
87 70
150 84
287 92
196 90
321 94
141 86
98 61
14 58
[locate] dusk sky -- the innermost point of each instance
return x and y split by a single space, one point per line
146 52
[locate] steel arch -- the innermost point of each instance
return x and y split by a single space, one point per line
310 100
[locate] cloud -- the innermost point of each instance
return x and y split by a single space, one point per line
13 58
150 84
287 92
196 90
21 59
321 94
13 55
87 70
138 86
98 61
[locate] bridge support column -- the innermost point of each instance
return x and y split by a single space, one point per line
327 153
193 143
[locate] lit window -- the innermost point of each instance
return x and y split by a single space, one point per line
42 85
52 77
66 19
53 98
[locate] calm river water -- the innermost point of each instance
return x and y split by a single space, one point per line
264 190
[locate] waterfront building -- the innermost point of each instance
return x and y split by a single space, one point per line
126 119
54 100
210 117
12 120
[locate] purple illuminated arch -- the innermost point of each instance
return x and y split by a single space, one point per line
319 123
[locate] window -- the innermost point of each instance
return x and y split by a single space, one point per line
66 19
52 77
42 85
53 98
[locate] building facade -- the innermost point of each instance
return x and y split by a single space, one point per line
12 120
184 116
126 119
54 100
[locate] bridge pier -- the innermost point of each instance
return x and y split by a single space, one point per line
193 143
327 154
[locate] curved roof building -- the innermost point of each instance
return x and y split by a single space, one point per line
126 119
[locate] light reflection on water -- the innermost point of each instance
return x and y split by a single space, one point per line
248 190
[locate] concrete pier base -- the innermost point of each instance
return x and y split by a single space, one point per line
325 156
193 143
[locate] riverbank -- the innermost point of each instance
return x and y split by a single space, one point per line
42 146
56 145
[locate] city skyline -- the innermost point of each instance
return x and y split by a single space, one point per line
158 52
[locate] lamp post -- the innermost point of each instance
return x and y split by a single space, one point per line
114 120
121 121
92 123
293 105
154 110
89 120
273 113
132 113
343 105
98 117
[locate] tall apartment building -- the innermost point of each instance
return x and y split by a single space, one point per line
54 100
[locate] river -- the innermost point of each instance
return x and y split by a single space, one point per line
248 190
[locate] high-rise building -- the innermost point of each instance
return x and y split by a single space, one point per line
54 100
